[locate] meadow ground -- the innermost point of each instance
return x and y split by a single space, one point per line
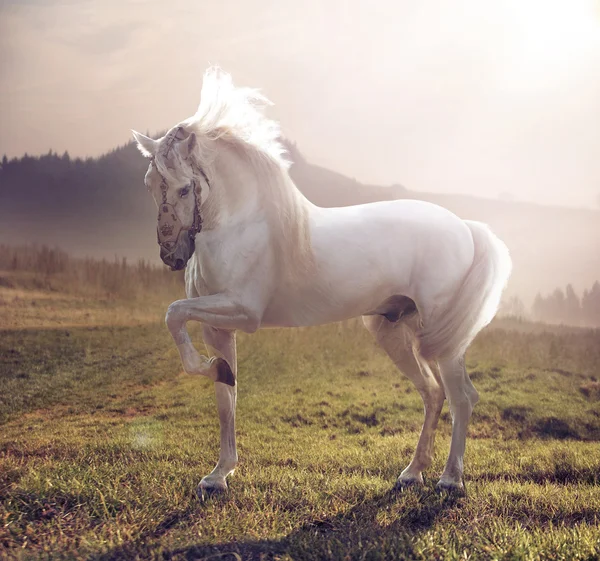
103 441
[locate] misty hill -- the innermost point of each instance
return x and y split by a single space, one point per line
100 207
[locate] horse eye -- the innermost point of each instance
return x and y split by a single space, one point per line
184 192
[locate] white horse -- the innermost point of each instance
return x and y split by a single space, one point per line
259 254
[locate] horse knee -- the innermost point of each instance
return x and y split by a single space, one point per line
461 406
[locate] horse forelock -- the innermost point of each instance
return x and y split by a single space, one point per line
166 159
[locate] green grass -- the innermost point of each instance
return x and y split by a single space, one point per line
103 441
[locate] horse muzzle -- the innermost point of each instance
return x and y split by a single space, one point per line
178 254
176 242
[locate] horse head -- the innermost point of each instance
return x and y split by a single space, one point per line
176 183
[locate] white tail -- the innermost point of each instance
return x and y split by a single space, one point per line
476 302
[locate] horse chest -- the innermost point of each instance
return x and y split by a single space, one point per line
229 258
208 277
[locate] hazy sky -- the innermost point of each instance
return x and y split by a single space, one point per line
472 96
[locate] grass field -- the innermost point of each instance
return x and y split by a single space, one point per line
103 441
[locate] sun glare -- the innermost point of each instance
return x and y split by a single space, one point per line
552 38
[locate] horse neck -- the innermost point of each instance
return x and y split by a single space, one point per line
251 186
236 197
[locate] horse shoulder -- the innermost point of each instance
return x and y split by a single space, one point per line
236 262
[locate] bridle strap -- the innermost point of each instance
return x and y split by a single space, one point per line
196 226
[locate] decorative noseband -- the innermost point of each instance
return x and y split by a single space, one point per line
169 226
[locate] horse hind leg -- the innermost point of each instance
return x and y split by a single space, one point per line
397 340
462 397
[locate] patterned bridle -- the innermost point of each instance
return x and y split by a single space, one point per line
169 227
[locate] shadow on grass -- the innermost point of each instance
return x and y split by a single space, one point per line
380 528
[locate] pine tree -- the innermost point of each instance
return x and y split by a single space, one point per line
590 306
595 303
538 309
513 307
557 306
572 306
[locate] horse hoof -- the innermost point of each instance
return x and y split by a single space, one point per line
403 484
450 488
211 488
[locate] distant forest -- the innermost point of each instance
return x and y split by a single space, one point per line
64 185
560 307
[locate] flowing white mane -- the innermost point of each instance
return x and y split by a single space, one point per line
226 110
235 115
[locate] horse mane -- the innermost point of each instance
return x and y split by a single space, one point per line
236 115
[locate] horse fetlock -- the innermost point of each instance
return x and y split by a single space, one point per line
453 475
226 466
216 481
193 362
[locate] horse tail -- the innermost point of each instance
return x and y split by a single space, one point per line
474 305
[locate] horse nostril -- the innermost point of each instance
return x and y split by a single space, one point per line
179 263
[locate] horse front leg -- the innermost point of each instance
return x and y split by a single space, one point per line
221 315
222 344
220 311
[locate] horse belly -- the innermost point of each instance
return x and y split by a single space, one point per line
341 289
315 309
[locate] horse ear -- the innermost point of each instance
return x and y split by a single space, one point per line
189 144
146 145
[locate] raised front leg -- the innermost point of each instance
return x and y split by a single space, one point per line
220 311
222 344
